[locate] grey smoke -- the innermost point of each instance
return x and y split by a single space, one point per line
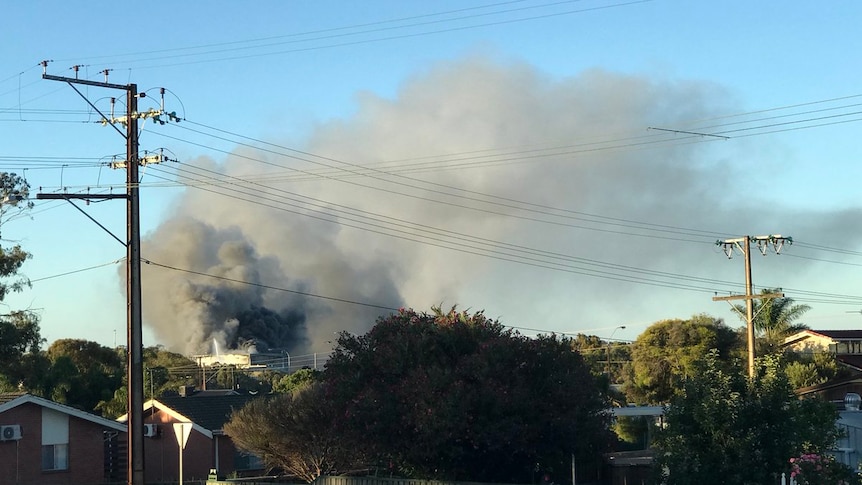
459 111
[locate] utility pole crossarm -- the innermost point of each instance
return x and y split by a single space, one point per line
765 296
743 245
87 82
80 196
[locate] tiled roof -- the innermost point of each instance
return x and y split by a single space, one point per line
210 412
12 400
9 396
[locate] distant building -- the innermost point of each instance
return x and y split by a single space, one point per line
279 361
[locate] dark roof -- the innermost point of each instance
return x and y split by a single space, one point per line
211 411
854 361
840 334
828 385
9 396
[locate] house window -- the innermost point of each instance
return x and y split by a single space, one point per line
55 440
55 457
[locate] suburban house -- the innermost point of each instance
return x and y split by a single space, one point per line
207 446
845 392
47 443
845 344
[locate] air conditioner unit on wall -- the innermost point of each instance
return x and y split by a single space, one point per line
151 430
10 432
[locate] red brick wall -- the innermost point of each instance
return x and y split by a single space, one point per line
21 461
161 454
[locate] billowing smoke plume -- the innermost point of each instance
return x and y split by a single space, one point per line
570 147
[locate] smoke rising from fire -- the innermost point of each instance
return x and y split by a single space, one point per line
453 134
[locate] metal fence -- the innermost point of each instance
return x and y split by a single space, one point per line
331 480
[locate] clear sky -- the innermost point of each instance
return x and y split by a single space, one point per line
563 165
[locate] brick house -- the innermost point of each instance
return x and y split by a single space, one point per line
47 443
207 446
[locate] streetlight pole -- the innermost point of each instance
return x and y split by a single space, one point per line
623 327
284 352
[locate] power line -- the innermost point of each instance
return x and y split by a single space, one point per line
269 287
138 58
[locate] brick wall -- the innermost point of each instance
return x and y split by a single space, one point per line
21 461
161 454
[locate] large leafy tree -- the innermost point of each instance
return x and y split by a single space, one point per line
164 371
19 330
83 373
294 432
775 318
455 395
666 353
726 428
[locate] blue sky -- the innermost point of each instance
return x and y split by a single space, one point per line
771 86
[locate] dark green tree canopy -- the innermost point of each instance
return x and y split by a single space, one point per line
456 395
666 353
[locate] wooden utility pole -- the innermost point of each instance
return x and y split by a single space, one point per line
134 332
743 244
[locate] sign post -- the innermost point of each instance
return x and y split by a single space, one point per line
182 432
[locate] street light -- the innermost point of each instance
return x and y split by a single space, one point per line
623 327
284 352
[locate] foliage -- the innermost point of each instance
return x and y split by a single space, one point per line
164 372
296 380
19 330
633 431
725 428
774 318
82 373
813 369
293 431
19 336
454 395
666 353
596 353
814 469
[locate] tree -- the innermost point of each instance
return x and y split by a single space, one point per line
666 353
83 373
19 330
19 335
454 395
596 353
805 370
164 372
296 380
294 432
774 318
725 428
